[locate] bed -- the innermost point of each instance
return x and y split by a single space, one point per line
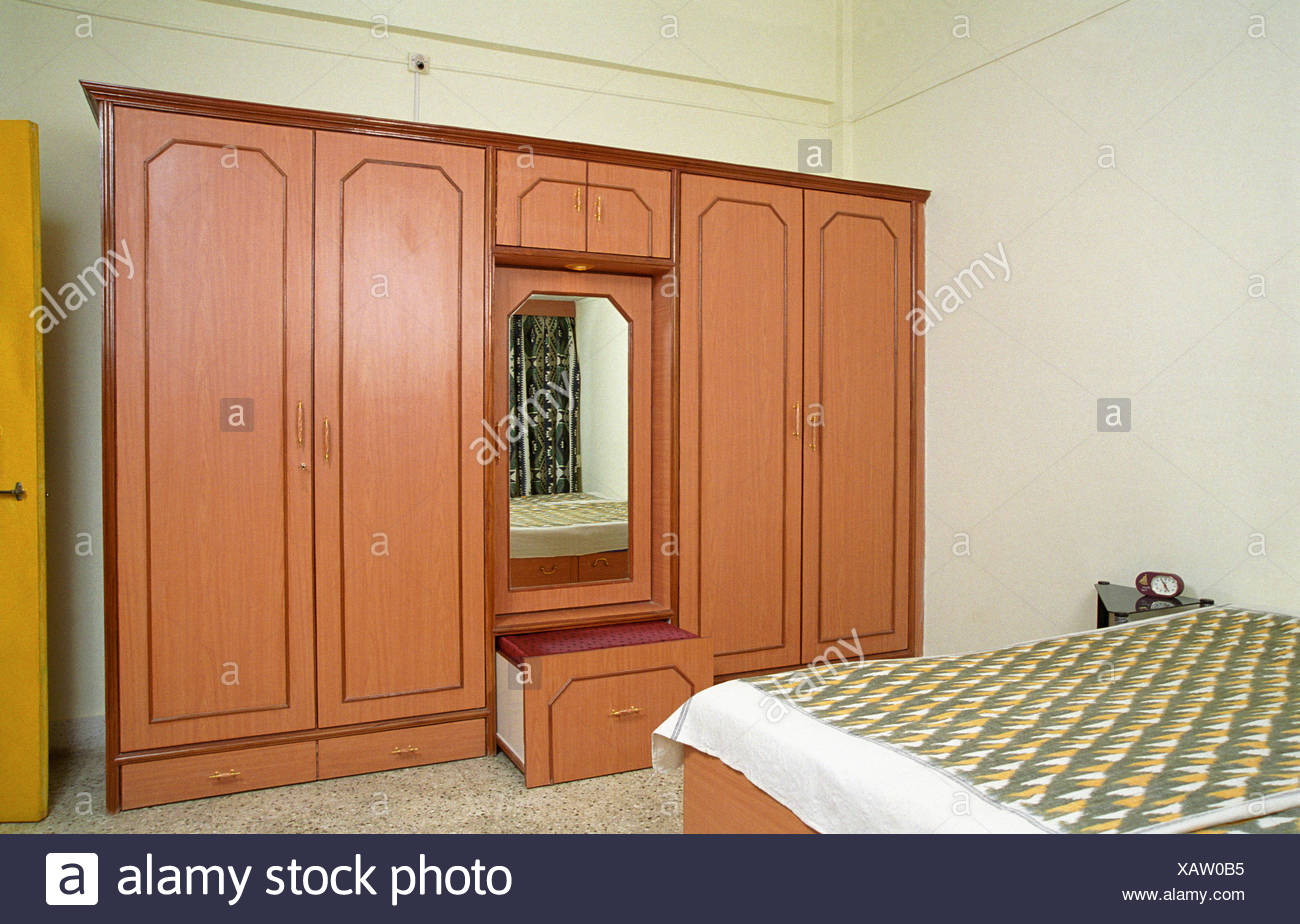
1184 723
550 525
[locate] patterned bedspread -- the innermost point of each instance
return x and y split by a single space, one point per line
576 509
1180 724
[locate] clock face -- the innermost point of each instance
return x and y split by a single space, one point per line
1164 585
1159 584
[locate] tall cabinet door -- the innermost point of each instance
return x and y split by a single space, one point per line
209 363
399 400
857 444
741 365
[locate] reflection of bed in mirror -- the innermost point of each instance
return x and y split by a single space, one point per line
567 538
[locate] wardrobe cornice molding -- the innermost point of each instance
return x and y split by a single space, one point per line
99 95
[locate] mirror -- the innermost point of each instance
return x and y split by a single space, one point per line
568 389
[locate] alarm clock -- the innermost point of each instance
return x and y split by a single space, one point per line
1161 584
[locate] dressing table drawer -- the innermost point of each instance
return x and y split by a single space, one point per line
602 566
542 572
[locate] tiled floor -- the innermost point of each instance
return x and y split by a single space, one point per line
484 795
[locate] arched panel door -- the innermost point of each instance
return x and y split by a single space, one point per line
399 400
857 449
209 367
741 372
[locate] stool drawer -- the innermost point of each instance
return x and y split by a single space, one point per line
602 724
174 779
591 712
406 747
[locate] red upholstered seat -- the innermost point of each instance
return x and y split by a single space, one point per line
518 648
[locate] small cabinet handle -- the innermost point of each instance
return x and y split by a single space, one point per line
224 775
577 199
327 439
600 561
598 208
796 420
299 424
544 570
409 749
619 713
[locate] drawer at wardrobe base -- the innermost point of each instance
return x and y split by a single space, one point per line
570 715
405 747
174 779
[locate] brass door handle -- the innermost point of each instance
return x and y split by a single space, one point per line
299 424
542 568
17 492
619 713
327 439
598 208
224 774
600 561
409 749
796 420
577 199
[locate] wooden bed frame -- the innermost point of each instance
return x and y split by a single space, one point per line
719 800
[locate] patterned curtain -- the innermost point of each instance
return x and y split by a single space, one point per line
544 386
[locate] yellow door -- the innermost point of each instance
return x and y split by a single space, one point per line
24 725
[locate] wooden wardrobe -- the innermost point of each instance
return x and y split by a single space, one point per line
305 569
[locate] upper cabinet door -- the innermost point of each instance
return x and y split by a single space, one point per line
541 201
210 368
857 463
562 204
741 375
399 391
629 210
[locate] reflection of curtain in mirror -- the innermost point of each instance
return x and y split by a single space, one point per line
544 386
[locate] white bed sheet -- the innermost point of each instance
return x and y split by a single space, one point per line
835 782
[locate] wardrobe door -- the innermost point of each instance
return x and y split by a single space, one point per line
399 400
541 201
741 358
629 211
857 441
209 362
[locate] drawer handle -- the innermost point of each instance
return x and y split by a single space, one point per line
553 569
409 749
224 775
600 561
619 713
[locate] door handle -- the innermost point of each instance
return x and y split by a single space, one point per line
17 492
327 439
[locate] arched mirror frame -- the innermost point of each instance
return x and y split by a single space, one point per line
649 312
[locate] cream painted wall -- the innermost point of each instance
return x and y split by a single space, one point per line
602 357
738 81
1128 281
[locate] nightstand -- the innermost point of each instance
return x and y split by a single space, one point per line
1118 604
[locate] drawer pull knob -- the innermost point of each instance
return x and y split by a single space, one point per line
600 561
224 775
550 570
619 713
409 749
